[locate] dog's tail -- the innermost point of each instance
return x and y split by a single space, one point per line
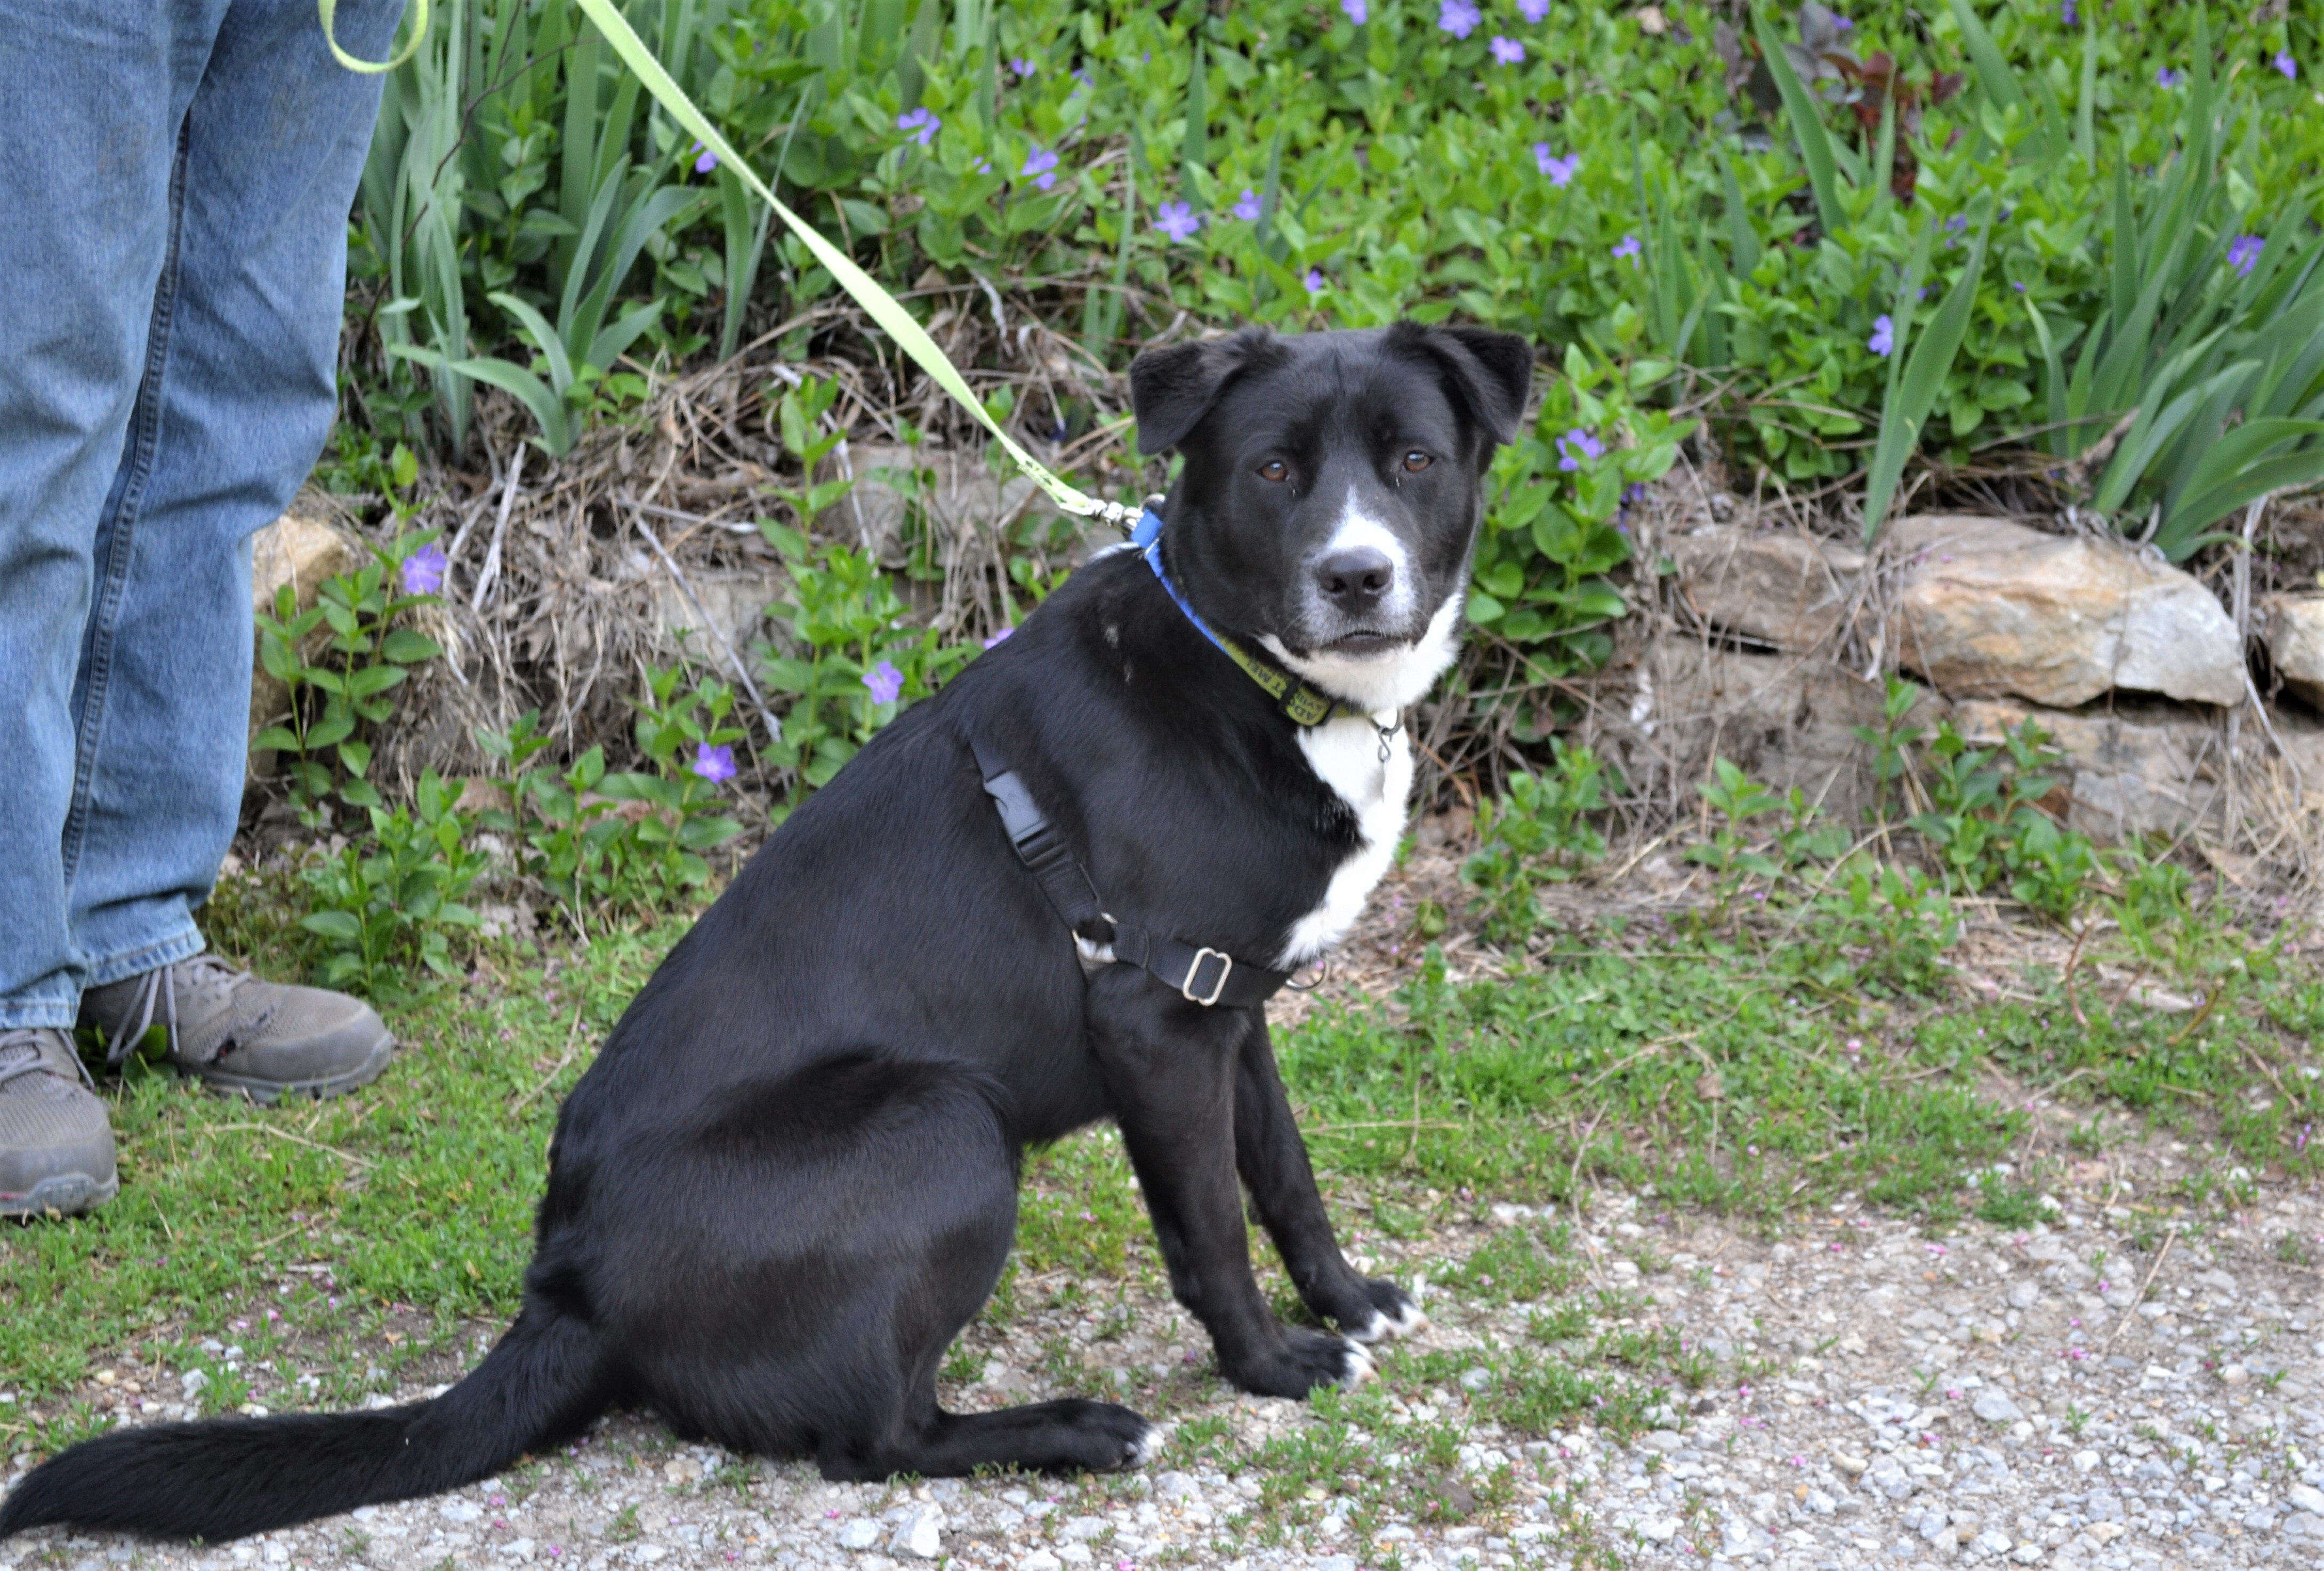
227 1478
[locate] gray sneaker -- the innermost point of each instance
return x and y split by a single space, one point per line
56 1145
239 1035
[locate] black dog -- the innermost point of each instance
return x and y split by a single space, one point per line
790 1178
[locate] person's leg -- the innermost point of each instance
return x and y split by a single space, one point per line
237 397
89 152
236 401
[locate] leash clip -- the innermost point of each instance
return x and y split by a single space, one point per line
1226 969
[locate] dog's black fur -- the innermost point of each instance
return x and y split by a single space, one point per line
790 1180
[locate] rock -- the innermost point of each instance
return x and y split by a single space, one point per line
954 493
2143 767
919 1532
2307 1497
861 1533
733 606
299 550
1783 720
1334 1563
1172 1485
1992 1541
1991 607
1476 1379
1663 1440
2293 626
1040 1560
1995 1409
1083 1528
1773 586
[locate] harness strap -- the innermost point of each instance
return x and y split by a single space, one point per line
1200 974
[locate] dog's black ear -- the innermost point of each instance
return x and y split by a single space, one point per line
1172 389
1491 372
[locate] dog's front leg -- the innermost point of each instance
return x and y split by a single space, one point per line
1170 1070
1273 1161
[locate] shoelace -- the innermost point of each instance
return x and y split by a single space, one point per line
157 988
21 1055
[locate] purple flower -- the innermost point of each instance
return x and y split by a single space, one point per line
423 569
2068 15
1508 50
999 636
2243 253
1178 221
885 682
1533 10
714 763
2167 78
1316 282
1458 17
1575 446
1021 66
1039 168
1246 209
1630 248
2287 65
1882 341
706 163
922 123
1357 11
1560 170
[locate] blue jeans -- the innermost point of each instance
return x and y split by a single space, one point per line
175 177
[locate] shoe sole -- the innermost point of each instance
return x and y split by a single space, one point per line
65 1195
266 1093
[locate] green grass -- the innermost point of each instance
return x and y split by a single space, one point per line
361 1241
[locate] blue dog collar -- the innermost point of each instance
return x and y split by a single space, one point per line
1303 705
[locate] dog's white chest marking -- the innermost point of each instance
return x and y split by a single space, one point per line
1345 755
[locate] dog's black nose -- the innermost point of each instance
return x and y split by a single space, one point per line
1355 578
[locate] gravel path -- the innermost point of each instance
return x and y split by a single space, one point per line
2046 1397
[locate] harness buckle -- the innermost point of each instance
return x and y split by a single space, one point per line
1226 969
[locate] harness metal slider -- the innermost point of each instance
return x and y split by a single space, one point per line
1226 969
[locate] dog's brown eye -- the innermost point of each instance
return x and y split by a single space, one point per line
1275 469
1415 462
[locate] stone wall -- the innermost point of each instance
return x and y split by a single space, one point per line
1773 653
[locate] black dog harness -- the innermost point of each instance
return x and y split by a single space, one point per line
1201 974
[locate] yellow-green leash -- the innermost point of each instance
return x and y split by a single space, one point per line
883 307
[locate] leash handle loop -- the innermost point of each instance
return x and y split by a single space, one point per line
328 9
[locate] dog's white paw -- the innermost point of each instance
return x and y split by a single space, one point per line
1405 1322
1148 1445
1359 1367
